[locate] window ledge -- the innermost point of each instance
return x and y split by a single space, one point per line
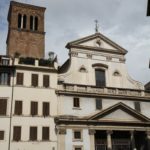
77 140
76 108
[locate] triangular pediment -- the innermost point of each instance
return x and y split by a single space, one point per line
97 42
119 113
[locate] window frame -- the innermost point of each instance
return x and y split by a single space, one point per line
81 135
3 109
19 111
34 80
47 138
46 112
20 78
16 136
76 102
36 133
137 106
103 83
33 111
46 79
2 135
96 104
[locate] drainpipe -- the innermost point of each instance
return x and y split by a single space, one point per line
12 97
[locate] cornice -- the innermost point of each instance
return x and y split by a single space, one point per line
102 95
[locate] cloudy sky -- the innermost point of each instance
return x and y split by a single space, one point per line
123 21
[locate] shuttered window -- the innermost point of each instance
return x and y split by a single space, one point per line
45 109
3 106
20 78
137 106
34 108
98 104
76 102
45 133
18 107
4 78
17 133
33 133
1 135
34 80
45 80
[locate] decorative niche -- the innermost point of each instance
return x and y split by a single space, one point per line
82 69
116 73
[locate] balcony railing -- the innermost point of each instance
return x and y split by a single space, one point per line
105 90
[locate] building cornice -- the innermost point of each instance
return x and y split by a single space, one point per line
102 95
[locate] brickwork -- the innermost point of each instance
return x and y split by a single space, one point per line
27 42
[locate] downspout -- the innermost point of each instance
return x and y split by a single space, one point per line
12 97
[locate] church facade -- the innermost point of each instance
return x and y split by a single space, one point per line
88 103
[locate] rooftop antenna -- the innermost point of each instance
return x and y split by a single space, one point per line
96 26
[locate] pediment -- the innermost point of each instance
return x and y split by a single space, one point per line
119 113
97 42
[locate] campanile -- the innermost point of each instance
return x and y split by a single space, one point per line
26 34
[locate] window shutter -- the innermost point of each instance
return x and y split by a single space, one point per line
17 133
76 102
137 106
34 80
34 108
45 109
33 133
45 133
46 81
3 106
98 104
18 107
20 78
1 135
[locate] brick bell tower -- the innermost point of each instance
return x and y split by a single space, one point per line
26 34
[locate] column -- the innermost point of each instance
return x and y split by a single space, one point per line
109 142
132 140
92 139
148 140
61 139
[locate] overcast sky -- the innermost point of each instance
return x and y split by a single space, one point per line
123 21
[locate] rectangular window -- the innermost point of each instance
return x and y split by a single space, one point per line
34 80
78 148
33 133
5 62
34 108
137 106
100 78
17 133
4 78
3 107
77 134
98 103
45 133
1 135
76 102
19 78
18 107
45 80
45 109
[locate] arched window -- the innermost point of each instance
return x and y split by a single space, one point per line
24 21
19 20
100 77
31 22
36 24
